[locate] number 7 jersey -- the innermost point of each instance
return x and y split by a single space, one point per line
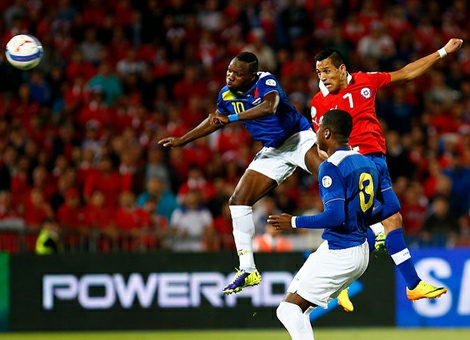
358 98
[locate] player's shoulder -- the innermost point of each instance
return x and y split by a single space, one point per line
267 79
368 76
340 155
225 94
319 99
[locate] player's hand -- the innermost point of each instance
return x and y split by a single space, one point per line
453 45
280 222
218 119
170 142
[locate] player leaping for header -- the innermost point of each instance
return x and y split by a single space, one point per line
355 93
257 100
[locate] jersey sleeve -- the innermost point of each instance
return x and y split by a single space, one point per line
317 110
331 183
332 192
378 79
221 106
267 83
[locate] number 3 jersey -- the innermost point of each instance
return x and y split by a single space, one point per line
349 176
358 98
271 130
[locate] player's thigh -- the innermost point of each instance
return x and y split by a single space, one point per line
279 163
300 150
251 187
326 272
272 163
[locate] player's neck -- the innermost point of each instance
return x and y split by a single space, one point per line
336 147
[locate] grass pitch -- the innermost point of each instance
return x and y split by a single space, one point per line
320 334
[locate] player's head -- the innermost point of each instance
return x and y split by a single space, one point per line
242 72
331 69
334 130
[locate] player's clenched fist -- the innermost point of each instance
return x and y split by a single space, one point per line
280 222
453 45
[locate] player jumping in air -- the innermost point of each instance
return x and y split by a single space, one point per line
355 93
348 185
261 105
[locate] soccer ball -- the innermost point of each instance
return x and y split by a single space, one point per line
24 51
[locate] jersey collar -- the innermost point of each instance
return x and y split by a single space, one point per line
325 91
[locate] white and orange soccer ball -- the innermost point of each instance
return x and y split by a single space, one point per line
24 51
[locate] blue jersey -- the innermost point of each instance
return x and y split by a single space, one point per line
270 130
347 175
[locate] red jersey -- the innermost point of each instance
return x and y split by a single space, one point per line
358 98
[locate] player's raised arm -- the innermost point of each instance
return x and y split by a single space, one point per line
203 129
420 66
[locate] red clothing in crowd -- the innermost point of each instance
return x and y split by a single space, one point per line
34 214
96 112
413 217
131 219
111 184
71 217
223 227
98 217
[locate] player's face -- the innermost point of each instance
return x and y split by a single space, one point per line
332 77
238 76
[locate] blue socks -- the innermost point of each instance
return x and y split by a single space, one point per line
400 254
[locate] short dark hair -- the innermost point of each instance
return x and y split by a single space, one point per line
251 59
336 58
338 122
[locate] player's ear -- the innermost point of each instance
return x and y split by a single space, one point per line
342 70
327 134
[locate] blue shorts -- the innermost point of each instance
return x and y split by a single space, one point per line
386 197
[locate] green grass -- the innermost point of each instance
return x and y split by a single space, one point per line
320 334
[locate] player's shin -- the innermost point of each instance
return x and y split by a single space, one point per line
395 244
243 232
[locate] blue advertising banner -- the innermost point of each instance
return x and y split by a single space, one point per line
441 267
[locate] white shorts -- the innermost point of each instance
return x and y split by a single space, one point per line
328 271
279 163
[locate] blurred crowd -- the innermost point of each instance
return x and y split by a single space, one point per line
78 133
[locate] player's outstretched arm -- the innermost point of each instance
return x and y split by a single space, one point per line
332 216
420 66
203 129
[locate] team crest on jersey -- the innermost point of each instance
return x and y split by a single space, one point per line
366 92
270 82
326 181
